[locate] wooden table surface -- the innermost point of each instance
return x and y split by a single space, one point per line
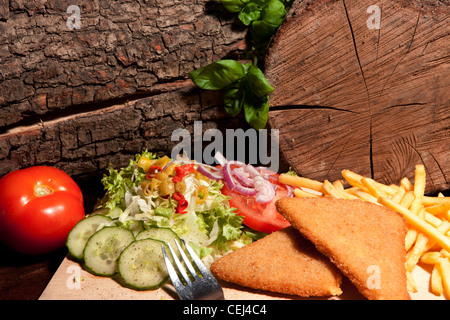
25 277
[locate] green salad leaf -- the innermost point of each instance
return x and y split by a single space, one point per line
117 182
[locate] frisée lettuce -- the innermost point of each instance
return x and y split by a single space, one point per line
207 221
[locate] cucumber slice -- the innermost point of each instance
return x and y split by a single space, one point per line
104 248
142 266
82 231
164 234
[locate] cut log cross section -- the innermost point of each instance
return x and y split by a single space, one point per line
363 85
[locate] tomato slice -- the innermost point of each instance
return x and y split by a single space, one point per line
258 216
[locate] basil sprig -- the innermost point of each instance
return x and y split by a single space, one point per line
262 16
243 86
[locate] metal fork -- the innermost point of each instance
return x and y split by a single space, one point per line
204 287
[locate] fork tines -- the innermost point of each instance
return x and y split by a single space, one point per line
199 285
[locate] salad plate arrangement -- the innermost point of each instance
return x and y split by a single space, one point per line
152 201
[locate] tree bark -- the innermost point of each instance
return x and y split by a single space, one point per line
121 48
79 99
352 96
88 142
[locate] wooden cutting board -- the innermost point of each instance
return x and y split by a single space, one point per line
71 282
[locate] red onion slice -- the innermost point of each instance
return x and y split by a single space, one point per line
246 180
290 191
210 172
220 158
265 192
232 185
243 177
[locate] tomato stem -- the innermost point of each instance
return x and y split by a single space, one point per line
42 191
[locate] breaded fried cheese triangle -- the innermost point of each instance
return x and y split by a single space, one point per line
364 240
282 262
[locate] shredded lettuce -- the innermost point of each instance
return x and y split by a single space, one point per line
118 182
212 227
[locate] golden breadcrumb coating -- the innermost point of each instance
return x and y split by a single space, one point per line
281 262
365 241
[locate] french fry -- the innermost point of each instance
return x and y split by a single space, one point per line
348 195
422 246
416 206
436 281
413 256
336 190
443 228
419 182
419 189
431 201
353 178
410 282
397 197
297 181
298 192
430 257
434 221
372 187
339 185
410 238
445 253
446 215
363 195
378 188
444 270
407 199
418 223
329 189
438 209
406 184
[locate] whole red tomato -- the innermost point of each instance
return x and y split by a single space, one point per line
38 207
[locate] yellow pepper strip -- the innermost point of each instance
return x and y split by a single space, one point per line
200 176
170 170
162 161
201 194
150 186
145 163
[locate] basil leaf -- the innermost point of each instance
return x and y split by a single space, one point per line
257 82
217 75
243 86
261 32
256 111
233 96
249 13
273 13
246 66
260 3
234 5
